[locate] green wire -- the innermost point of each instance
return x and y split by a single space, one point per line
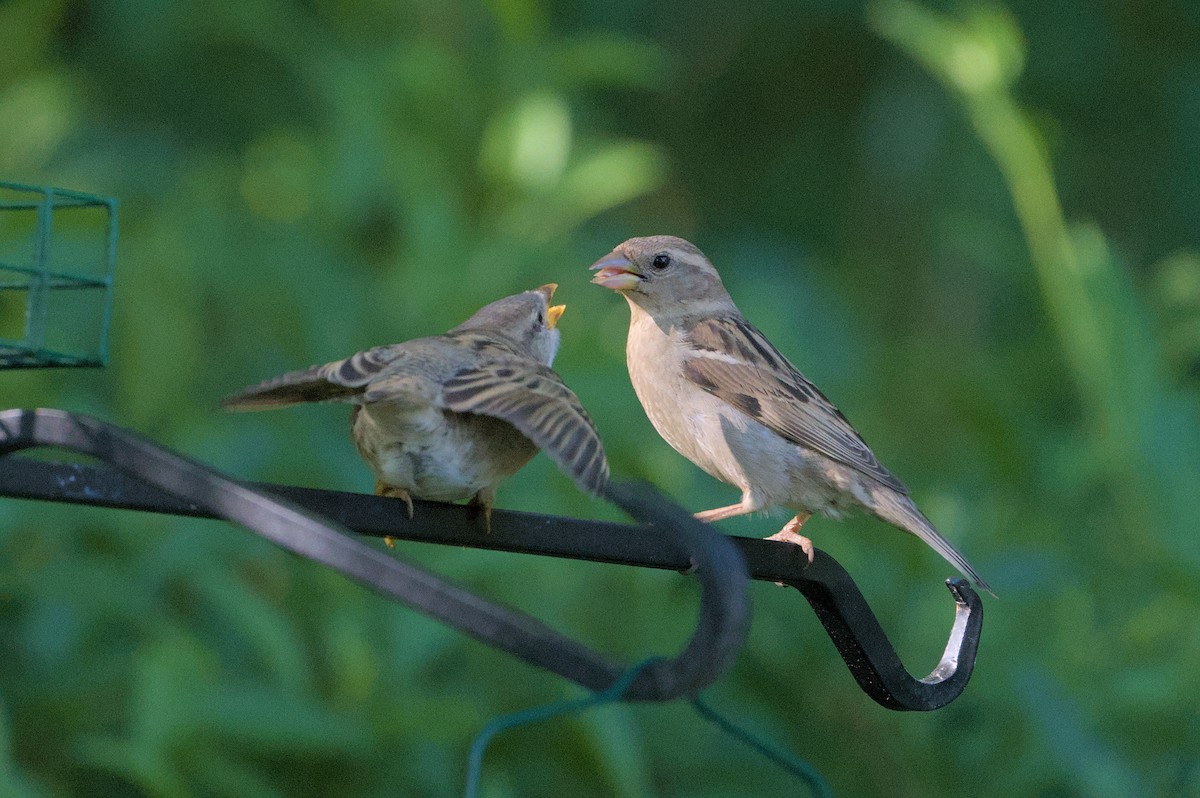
780 756
785 759
534 714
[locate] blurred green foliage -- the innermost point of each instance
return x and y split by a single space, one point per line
975 226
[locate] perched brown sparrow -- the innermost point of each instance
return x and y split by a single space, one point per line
717 390
451 416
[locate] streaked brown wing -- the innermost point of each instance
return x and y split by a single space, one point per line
342 380
535 400
735 362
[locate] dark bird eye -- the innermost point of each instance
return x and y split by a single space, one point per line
661 261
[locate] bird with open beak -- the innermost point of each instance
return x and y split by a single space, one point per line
725 398
451 416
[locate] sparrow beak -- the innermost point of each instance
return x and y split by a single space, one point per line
616 272
547 291
553 314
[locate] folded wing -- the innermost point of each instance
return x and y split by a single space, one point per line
733 361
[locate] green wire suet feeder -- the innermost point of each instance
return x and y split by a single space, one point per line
57 251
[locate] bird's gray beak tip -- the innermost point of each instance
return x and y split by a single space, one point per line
615 271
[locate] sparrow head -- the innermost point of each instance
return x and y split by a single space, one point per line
663 275
527 319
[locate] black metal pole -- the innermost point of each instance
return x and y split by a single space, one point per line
830 591
718 635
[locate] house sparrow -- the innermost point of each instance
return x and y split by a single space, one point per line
722 396
451 416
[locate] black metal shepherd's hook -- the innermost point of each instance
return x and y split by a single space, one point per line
719 634
144 476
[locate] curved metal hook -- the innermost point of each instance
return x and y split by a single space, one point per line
859 638
830 591
724 607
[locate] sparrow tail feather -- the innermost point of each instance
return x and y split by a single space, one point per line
899 511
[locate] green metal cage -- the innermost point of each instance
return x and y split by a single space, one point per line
57 253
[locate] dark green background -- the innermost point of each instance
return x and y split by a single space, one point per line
975 227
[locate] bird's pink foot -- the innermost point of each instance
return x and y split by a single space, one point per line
719 513
391 491
791 534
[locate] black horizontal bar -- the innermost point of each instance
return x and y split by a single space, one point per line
376 516
830 591
199 490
